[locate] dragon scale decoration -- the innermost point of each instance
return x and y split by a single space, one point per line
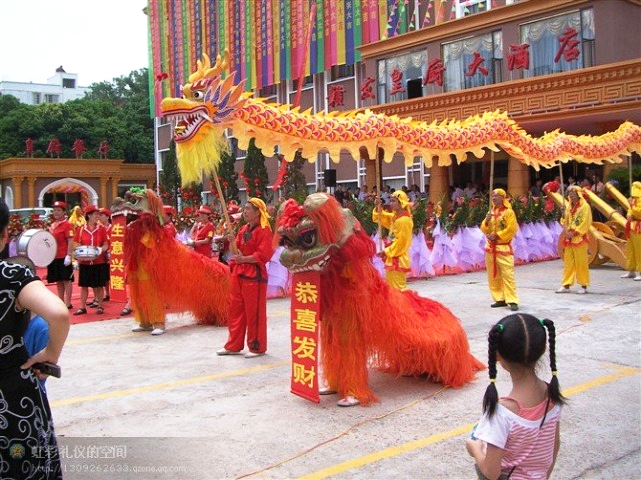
211 104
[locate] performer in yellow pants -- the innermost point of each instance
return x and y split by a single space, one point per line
633 234
500 226
576 222
400 225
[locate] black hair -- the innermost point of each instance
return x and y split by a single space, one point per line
4 215
520 339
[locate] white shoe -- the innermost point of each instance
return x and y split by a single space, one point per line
224 351
638 277
348 401
582 291
254 354
158 331
563 290
142 328
628 275
326 391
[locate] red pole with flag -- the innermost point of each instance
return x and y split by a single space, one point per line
301 67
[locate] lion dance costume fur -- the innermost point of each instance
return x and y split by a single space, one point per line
365 322
162 272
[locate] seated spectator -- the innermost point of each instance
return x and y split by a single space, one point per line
458 191
469 190
537 189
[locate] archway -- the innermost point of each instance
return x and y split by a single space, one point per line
8 197
88 196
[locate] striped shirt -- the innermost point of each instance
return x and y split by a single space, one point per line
528 447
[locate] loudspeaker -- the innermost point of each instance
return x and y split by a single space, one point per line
415 88
329 178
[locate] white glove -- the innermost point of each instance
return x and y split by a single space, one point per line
75 265
67 260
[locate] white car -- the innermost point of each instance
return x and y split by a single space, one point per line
42 212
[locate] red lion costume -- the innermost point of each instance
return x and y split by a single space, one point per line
365 321
163 272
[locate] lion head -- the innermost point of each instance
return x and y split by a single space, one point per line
312 232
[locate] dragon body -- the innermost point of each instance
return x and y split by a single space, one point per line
366 323
162 272
211 104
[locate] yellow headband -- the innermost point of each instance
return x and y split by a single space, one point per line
501 192
403 199
636 190
262 208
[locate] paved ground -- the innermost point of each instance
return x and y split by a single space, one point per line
168 407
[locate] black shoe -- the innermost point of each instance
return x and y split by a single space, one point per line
107 298
93 304
499 304
514 307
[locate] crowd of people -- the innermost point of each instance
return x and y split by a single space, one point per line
517 436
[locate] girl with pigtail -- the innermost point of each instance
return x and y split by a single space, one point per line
518 435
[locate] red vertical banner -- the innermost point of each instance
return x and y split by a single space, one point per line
305 318
118 291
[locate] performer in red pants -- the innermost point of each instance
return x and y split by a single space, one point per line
248 306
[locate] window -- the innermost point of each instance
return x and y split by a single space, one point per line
473 62
397 76
341 71
49 98
68 83
268 91
560 44
36 98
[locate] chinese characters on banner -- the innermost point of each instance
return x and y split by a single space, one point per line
305 314
118 291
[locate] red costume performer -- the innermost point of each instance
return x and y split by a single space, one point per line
60 271
248 307
167 213
202 233
162 272
365 322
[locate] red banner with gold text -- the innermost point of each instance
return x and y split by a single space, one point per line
305 314
118 291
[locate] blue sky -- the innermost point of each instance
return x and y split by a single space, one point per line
97 39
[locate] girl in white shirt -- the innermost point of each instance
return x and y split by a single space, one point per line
518 435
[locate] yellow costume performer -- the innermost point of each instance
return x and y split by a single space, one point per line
400 225
500 226
633 234
576 222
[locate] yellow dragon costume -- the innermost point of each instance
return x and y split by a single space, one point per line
364 320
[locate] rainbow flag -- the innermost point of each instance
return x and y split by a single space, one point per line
276 45
349 31
319 35
268 62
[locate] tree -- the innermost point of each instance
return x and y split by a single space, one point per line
117 112
295 184
169 178
255 173
227 177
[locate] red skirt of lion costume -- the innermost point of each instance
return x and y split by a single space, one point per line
163 273
365 322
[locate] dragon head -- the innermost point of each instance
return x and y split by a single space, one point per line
312 232
135 203
201 116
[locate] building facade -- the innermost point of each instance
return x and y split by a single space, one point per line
60 88
573 65
38 182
